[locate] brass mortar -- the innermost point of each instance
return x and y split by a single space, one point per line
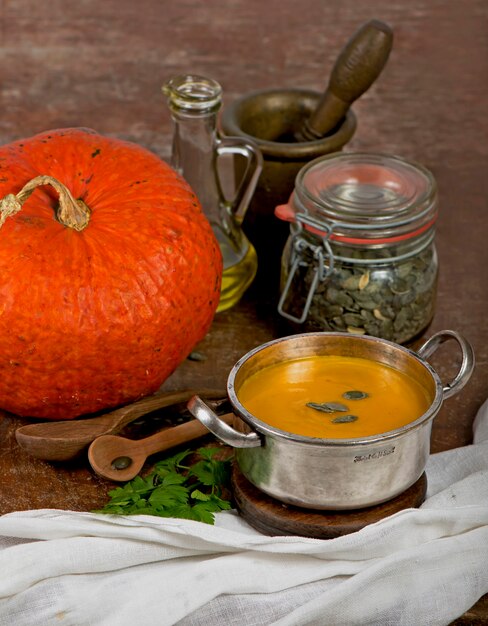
272 119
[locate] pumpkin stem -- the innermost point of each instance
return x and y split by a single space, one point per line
70 212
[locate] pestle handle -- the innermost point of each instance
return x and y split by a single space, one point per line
357 67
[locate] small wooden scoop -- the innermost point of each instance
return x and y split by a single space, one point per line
121 459
62 441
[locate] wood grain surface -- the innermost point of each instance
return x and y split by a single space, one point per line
101 65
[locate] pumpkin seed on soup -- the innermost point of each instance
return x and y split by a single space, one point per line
355 394
327 407
344 419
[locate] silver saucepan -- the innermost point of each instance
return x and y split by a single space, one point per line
335 474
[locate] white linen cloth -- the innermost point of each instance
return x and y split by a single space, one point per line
421 566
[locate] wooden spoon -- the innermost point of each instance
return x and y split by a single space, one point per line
121 459
62 441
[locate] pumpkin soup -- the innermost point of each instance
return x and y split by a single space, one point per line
333 397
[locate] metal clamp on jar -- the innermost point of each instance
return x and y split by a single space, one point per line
361 256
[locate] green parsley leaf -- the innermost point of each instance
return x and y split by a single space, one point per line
196 494
173 478
175 489
203 471
209 453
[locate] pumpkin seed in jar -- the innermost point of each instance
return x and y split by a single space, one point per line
379 315
354 330
364 281
394 302
352 282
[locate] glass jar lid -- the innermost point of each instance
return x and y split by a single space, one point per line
365 198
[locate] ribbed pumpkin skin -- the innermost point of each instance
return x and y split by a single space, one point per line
98 318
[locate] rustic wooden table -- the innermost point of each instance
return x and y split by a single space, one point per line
101 65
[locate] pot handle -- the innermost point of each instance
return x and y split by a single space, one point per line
199 409
467 365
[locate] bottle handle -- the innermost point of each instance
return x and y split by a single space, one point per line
247 185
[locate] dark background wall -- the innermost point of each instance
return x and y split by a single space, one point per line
101 64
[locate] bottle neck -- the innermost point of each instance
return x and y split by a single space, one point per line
194 142
194 102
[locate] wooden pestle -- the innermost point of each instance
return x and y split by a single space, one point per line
357 67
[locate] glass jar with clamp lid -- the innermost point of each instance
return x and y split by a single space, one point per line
361 254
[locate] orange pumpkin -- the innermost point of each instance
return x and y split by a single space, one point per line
107 280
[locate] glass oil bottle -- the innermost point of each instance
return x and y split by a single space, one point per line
194 102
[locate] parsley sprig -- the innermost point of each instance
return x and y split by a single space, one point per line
174 489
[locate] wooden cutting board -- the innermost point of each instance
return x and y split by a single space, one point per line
272 517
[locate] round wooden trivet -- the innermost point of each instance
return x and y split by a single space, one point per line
272 517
